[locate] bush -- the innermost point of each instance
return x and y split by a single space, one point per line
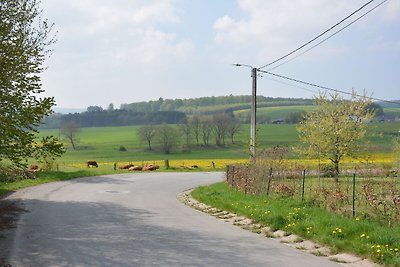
328 170
122 149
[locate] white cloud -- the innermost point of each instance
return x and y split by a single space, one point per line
272 28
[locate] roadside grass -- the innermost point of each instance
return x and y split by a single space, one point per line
42 178
342 234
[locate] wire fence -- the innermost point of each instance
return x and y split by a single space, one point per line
364 195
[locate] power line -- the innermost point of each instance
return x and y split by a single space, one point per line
289 84
323 87
318 36
330 36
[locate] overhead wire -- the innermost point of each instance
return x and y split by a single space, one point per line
330 36
318 36
324 87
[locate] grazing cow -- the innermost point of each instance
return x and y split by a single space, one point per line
92 163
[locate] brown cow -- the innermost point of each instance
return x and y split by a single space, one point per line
126 167
150 167
92 163
135 168
34 168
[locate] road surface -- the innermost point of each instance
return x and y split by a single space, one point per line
133 220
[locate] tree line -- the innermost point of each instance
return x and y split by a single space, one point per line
117 117
194 131
212 104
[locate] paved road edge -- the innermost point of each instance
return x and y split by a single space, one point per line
291 240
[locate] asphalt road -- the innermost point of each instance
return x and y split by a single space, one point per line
133 220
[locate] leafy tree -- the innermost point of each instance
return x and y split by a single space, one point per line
110 107
167 137
375 108
146 134
295 117
70 131
221 124
195 123
332 131
94 109
187 130
25 39
206 130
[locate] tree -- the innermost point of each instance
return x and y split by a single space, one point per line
146 134
70 131
186 129
221 124
195 123
110 107
295 117
206 130
167 137
233 128
25 39
332 131
94 109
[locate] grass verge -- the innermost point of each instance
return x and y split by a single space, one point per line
42 178
341 234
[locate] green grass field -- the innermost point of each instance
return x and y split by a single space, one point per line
102 144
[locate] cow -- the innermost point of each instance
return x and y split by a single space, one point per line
150 167
34 168
92 163
135 168
126 167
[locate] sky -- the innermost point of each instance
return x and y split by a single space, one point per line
126 51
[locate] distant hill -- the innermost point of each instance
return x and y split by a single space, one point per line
389 105
213 104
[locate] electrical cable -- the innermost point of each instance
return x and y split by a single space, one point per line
330 36
318 36
323 87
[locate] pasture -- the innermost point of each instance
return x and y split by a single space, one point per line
104 145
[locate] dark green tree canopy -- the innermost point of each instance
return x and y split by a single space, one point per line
24 43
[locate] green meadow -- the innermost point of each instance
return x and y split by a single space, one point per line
103 144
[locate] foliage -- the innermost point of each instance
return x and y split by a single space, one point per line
97 117
333 131
210 105
167 137
295 117
24 42
146 134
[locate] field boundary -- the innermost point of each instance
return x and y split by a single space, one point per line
280 236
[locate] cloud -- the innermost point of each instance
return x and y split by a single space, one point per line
272 28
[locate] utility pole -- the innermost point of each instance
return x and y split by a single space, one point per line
253 116
252 112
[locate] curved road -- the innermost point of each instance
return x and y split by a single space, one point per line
133 220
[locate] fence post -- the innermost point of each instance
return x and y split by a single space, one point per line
245 182
303 178
269 181
354 195
166 163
